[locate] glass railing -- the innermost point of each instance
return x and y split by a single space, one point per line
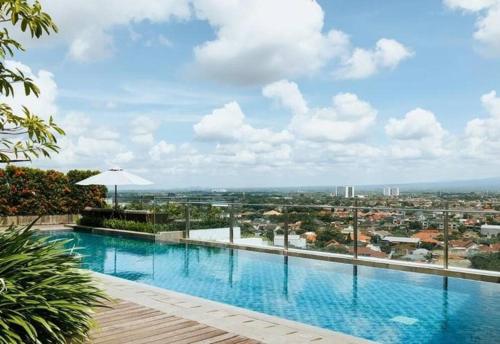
445 237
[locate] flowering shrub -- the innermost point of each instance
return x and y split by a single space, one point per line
30 191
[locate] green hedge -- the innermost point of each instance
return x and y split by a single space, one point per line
130 225
31 191
127 225
146 227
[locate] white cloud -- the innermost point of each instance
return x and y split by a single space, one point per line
469 5
229 124
491 103
488 30
142 130
261 41
74 123
288 94
348 119
90 149
159 150
482 135
362 63
44 105
487 22
418 135
124 157
86 25
255 41
255 155
416 124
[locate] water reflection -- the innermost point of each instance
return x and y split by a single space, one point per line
444 324
354 285
285 277
121 267
231 266
186 260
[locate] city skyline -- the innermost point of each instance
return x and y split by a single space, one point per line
210 99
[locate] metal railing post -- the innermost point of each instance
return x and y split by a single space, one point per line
188 221
446 229
355 228
231 223
154 213
285 235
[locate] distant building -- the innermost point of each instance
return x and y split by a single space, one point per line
272 213
345 191
391 191
402 240
490 230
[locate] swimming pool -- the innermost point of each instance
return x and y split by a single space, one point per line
379 304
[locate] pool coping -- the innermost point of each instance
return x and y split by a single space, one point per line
255 325
481 275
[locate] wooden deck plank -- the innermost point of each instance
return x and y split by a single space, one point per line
112 306
218 339
234 340
117 311
139 322
147 331
199 337
163 336
156 321
146 326
128 322
140 313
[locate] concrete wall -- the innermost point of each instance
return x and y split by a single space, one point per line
214 234
174 236
44 220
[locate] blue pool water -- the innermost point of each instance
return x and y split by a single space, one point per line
383 305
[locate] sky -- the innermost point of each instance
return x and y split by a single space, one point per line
263 93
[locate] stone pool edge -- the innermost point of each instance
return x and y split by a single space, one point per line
241 321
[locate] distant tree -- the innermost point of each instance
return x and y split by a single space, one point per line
337 249
269 234
415 225
486 261
246 229
23 136
324 236
385 247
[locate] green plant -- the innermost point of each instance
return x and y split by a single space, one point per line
23 135
129 225
46 298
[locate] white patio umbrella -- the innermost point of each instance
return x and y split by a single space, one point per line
115 176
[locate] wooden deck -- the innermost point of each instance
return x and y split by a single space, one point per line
128 322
